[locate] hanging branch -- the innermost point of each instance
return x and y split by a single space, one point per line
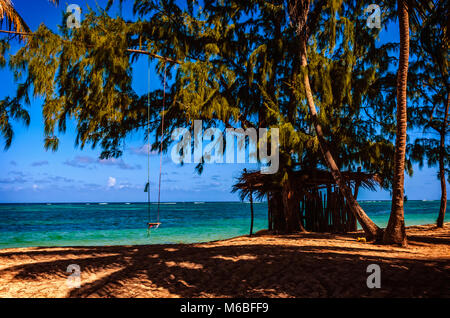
128 50
15 32
155 56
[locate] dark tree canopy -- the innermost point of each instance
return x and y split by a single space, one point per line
240 68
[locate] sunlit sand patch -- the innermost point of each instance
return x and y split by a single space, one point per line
272 292
45 288
92 277
142 287
244 257
184 283
54 285
42 258
187 265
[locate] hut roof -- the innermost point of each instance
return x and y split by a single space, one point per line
303 180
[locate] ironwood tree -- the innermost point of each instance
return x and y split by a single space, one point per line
252 64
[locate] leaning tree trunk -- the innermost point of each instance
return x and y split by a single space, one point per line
441 217
269 212
277 211
395 231
372 231
298 11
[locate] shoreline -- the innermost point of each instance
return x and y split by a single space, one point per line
264 265
198 201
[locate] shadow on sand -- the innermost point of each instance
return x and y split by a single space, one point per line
242 270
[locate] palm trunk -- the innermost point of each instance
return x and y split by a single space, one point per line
252 214
357 185
395 231
269 212
372 231
441 217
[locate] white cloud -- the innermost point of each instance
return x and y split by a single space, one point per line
111 182
119 163
39 163
143 151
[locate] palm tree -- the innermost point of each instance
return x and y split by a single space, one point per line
12 18
298 11
444 128
430 68
395 231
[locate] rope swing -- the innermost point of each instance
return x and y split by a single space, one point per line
162 138
165 61
156 224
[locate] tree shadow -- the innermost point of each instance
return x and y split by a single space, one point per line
254 270
440 239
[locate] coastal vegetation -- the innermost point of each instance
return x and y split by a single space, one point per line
341 99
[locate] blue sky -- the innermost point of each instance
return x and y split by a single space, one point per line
28 173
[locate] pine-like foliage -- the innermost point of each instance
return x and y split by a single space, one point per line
430 89
240 67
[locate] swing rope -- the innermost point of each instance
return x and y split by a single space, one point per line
147 188
162 139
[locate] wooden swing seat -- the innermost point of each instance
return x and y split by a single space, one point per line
147 186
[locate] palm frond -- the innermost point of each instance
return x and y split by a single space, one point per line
11 17
304 181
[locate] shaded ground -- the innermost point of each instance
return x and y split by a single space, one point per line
303 265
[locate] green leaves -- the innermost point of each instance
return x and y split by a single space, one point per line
85 75
240 67
10 109
4 46
430 89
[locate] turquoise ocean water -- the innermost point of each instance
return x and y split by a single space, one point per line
80 224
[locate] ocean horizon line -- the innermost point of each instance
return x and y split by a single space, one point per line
166 202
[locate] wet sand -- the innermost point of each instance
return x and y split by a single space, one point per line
300 265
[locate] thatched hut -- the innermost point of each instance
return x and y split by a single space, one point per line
307 200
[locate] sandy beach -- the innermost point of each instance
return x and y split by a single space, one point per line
302 265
